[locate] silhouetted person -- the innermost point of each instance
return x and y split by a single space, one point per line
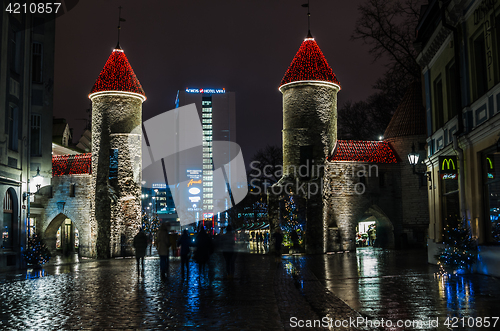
228 252
141 245
278 239
204 248
163 245
185 242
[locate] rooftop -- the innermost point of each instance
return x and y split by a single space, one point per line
118 75
363 151
409 118
309 64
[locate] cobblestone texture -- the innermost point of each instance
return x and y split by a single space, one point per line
264 294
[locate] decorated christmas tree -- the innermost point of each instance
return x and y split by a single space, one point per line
460 252
37 253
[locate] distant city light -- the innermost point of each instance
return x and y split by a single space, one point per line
206 90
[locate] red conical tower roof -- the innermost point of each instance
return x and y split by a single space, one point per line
118 76
309 64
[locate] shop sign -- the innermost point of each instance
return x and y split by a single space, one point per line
448 167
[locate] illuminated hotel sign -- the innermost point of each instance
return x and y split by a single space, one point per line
159 185
206 90
448 167
194 189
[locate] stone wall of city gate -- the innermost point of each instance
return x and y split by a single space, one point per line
71 197
355 190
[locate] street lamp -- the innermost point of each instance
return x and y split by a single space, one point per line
413 158
37 181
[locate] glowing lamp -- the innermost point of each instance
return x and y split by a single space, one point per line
37 180
413 157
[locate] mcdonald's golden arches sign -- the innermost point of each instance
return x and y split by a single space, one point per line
448 167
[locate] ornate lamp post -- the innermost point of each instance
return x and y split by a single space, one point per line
37 181
413 158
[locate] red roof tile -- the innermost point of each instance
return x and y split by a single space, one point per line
117 75
363 151
309 64
71 164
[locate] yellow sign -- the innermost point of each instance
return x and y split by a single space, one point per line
192 181
448 164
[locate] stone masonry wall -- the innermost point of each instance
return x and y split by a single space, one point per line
415 209
309 119
77 208
111 115
348 199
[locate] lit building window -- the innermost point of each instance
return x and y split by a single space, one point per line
208 189
208 195
207 161
208 184
206 110
207 126
207 120
206 115
207 166
207 154
207 149
208 177
208 172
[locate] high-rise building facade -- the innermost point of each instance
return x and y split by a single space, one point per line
217 112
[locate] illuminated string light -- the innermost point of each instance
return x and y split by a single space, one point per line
71 164
309 64
363 151
117 75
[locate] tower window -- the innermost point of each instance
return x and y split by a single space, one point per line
113 163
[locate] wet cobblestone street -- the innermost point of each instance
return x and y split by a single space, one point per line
264 294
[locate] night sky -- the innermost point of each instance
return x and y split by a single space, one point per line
244 46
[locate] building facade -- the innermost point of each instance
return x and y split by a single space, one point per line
217 111
26 99
459 45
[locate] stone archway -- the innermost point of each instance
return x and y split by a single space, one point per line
52 225
384 226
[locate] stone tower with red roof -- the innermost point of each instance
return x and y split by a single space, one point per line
117 98
328 185
309 89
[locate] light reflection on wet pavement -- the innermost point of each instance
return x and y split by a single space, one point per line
264 295
401 285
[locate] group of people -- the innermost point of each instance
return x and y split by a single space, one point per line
204 248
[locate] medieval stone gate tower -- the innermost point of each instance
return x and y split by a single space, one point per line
117 98
309 90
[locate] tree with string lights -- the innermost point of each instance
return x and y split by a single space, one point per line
36 253
460 252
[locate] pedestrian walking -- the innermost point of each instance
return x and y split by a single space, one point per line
204 247
163 247
228 251
185 243
140 244
150 238
278 239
